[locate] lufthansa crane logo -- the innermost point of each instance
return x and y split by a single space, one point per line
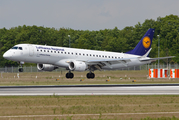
146 42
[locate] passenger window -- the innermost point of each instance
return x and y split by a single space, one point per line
109 56
54 51
41 50
99 55
44 51
65 52
51 51
72 53
86 54
93 55
79 53
76 53
96 55
83 54
90 54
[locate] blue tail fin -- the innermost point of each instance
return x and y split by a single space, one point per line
144 45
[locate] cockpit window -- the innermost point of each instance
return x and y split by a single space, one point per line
15 47
20 48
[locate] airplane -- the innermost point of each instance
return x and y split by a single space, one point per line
49 58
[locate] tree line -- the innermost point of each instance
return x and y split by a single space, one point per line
108 39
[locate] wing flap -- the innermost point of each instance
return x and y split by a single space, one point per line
111 60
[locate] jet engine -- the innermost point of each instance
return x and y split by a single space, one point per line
77 66
46 67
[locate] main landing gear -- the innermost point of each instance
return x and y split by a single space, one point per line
69 75
90 75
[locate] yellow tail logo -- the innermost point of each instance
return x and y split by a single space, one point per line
146 42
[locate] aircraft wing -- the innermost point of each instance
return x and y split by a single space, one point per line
109 62
154 59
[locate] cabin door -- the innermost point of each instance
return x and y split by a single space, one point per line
31 50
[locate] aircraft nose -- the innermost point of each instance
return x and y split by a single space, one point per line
7 55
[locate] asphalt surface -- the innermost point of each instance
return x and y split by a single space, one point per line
125 89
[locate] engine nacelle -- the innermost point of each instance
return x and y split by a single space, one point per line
77 66
46 67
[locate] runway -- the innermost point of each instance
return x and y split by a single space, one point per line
137 89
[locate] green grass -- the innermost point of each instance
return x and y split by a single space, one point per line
87 107
50 78
90 107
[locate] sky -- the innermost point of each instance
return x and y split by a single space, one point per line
83 14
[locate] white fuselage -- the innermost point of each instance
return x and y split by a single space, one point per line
59 56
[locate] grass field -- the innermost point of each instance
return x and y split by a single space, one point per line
88 107
58 78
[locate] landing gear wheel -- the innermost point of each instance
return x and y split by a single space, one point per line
69 75
21 66
20 69
90 75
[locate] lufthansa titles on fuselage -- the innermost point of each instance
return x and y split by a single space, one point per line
49 48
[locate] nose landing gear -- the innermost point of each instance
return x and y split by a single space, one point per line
20 69
21 66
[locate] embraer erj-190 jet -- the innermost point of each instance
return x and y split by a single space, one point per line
49 58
